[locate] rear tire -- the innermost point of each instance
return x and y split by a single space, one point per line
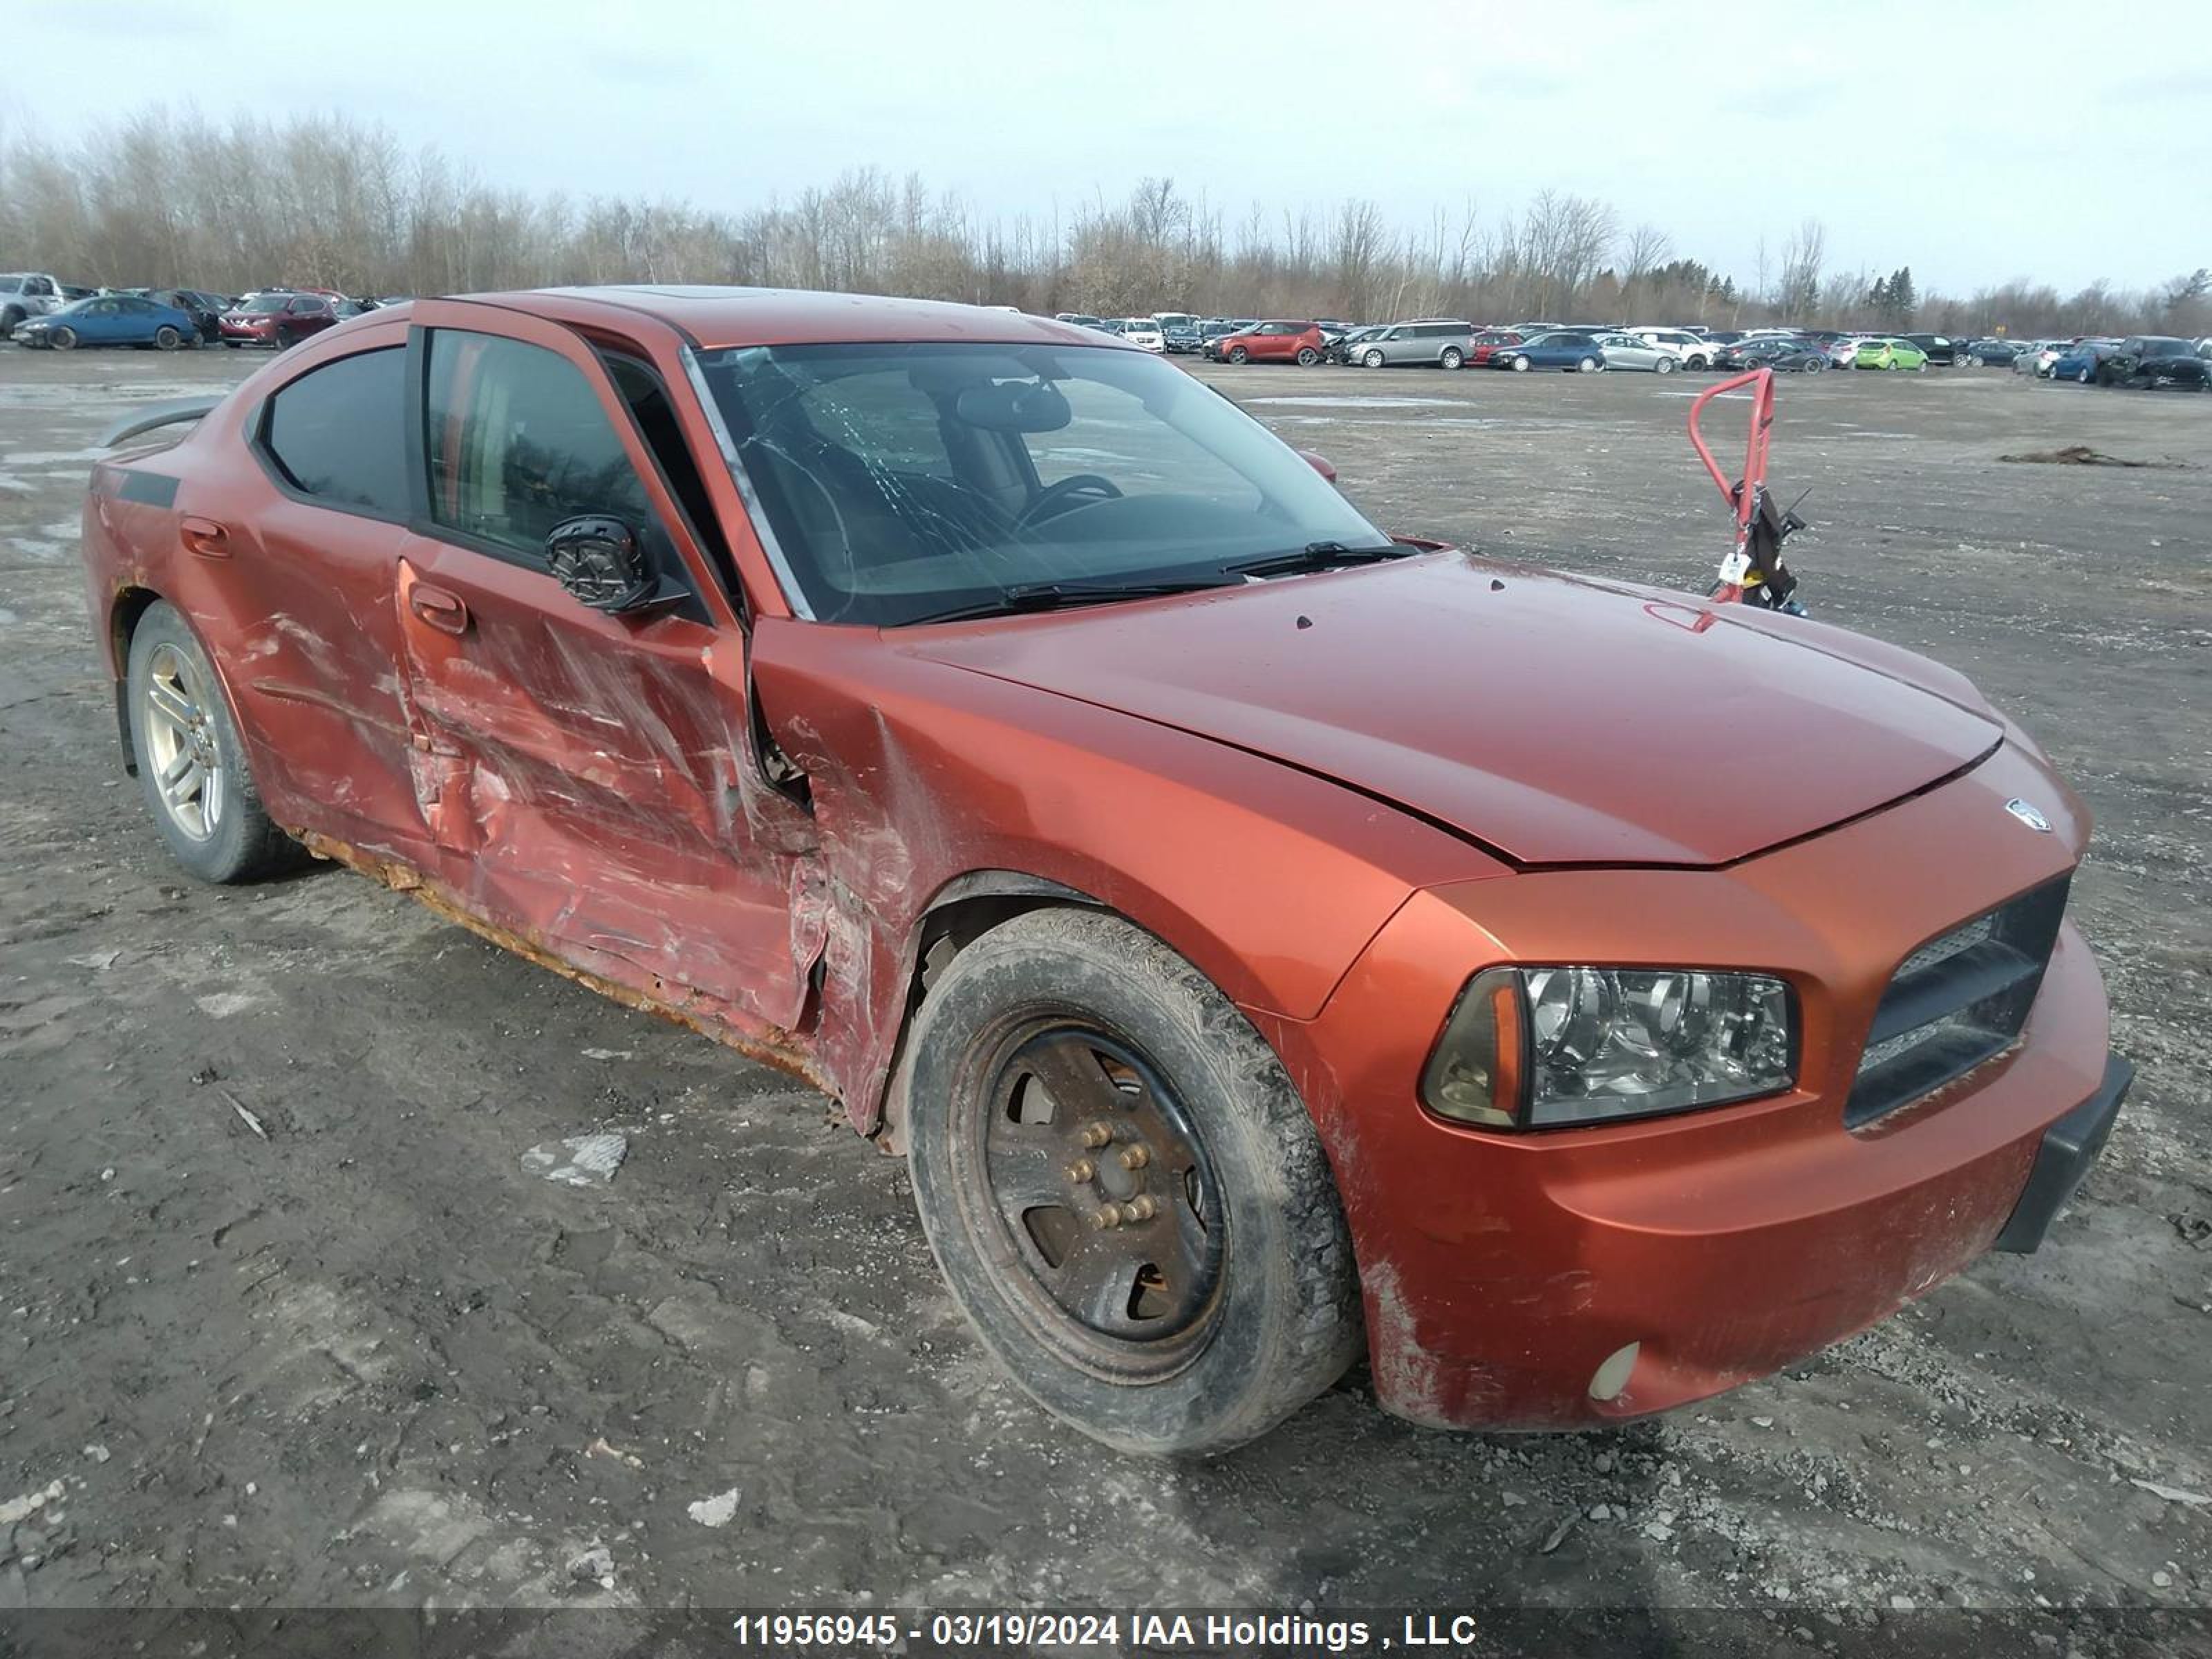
166 338
1589 365
1152 1052
192 763
1452 357
1308 356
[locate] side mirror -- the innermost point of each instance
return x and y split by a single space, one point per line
1318 463
598 561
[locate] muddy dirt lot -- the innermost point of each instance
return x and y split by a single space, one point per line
366 1356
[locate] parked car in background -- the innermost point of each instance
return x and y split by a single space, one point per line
1888 352
1721 337
1992 353
1181 339
2036 357
109 320
1791 356
1430 342
278 318
1938 348
1633 352
205 309
1694 350
1564 348
26 294
1489 341
1277 342
1347 346
2151 361
1080 319
2082 361
1145 333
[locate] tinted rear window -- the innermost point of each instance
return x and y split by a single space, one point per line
335 433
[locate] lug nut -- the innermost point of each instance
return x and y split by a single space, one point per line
1141 1208
1097 1134
1111 1215
1136 1157
1082 1170
1102 1219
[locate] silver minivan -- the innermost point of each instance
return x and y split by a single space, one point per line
1434 340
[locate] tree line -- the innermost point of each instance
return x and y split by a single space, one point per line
167 198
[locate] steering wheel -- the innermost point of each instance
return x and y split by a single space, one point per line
1052 495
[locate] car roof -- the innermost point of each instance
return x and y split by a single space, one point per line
718 316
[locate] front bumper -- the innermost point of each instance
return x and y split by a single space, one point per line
1509 1278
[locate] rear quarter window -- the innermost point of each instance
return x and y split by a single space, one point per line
335 433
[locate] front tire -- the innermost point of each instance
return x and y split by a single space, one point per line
1664 366
1520 365
62 338
1067 1066
192 763
1238 355
1371 360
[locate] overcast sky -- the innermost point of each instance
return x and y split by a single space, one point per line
1974 142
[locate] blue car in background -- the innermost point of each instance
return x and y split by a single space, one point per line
1567 349
110 320
2077 362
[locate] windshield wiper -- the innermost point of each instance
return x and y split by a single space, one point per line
1062 595
1321 556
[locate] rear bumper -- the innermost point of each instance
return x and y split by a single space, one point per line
1566 1278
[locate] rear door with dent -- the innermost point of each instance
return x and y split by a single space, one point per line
589 775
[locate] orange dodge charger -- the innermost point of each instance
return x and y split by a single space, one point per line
1265 937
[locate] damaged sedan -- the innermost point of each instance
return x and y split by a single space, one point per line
1265 937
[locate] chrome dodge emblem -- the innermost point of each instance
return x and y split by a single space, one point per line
2027 815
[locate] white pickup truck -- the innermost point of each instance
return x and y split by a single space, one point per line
26 294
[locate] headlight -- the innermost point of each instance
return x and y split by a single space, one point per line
1546 1047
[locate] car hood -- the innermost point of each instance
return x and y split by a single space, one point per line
1552 719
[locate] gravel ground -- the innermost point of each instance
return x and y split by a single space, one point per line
287 1316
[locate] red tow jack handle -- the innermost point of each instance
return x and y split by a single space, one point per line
1746 497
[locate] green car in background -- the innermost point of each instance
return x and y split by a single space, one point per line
1890 353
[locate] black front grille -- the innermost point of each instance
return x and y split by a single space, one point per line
1955 1002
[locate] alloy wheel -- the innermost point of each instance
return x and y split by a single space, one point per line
180 742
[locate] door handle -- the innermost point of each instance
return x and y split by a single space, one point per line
440 610
204 536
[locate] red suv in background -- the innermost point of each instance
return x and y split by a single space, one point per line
1480 349
279 318
1274 343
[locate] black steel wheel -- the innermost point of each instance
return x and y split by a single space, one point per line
1125 1193
1106 1197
